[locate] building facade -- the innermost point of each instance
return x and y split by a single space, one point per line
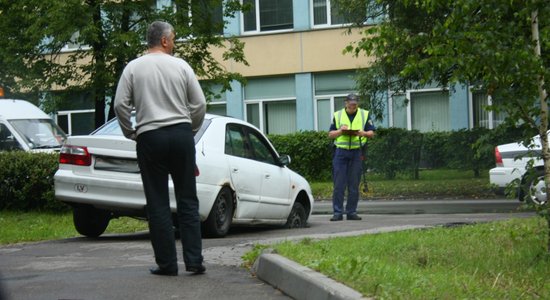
298 75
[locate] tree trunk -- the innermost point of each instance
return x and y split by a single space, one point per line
543 128
99 65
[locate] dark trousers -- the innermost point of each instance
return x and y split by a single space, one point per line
171 151
346 173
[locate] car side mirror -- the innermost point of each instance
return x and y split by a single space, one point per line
284 160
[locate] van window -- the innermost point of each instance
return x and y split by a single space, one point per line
7 140
39 133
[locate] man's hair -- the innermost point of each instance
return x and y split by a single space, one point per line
156 31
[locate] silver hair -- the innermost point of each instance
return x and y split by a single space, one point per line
156 31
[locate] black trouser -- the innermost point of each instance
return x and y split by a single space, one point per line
160 152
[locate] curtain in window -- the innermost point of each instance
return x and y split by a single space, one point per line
253 114
430 111
280 117
249 17
481 116
399 111
276 15
323 114
319 12
335 16
498 116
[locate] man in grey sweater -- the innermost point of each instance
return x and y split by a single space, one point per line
169 106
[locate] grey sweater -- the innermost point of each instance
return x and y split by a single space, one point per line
164 91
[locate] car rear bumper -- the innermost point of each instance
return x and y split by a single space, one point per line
502 176
125 196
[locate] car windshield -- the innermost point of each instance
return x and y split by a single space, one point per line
113 128
39 133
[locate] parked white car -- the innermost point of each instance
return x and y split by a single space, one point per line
511 163
242 181
23 126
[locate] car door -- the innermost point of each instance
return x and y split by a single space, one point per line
275 178
246 178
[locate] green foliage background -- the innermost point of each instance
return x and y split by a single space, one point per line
26 179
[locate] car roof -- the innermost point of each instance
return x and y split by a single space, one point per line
12 109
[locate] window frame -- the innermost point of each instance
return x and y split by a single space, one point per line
258 22
261 103
407 94
491 115
332 100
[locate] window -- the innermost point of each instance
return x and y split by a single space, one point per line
267 15
76 122
272 117
430 111
327 13
426 110
208 15
246 142
326 106
7 140
480 115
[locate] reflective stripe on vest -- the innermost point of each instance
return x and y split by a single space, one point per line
348 141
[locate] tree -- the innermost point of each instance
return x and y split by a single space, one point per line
106 35
492 45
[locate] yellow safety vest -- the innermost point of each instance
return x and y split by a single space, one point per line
350 141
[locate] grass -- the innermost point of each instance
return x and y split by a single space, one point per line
17 227
498 260
432 183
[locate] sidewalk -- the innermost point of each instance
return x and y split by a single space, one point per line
425 206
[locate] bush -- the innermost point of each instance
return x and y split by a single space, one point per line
395 150
310 153
27 181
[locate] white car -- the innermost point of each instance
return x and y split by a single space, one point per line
242 179
511 164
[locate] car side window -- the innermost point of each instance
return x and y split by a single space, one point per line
236 143
7 140
262 151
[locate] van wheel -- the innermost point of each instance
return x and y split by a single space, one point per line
297 217
535 189
221 215
90 221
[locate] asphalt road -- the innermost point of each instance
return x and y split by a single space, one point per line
116 266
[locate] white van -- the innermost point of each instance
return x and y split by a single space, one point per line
24 126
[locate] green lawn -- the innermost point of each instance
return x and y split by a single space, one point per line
432 183
17 227
499 260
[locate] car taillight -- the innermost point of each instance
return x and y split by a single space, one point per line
498 158
75 155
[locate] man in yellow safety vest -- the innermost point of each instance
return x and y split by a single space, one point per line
350 129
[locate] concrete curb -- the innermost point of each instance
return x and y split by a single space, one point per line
300 282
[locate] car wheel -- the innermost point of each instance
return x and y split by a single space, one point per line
90 221
297 217
221 215
536 189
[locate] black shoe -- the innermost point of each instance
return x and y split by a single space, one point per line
200 269
354 218
163 272
336 218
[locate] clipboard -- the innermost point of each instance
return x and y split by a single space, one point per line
349 132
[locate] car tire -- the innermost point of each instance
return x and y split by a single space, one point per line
534 189
90 221
221 215
297 217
